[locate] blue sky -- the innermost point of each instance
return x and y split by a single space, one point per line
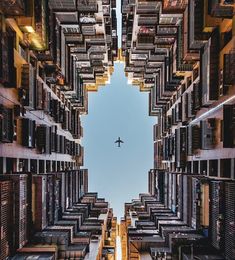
118 109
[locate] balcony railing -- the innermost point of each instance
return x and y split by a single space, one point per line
164 30
185 67
87 20
147 7
97 49
82 57
96 56
71 30
222 11
14 8
174 4
88 30
87 5
164 40
147 20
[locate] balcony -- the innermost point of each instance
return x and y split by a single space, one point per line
71 30
139 56
157 58
166 30
87 19
13 8
85 70
87 6
87 76
147 20
134 69
99 70
97 49
98 40
96 56
78 48
185 67
174 5
138 75
163 41
151 70
88 30
63 4
149 80
221 11
139 63
147 7
81 57
145 42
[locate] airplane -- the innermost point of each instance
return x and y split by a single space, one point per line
119 141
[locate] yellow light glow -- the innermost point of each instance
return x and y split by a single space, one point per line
37 43
29 29
208 29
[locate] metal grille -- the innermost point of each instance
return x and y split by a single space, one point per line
230 220
62 4
217 214
5 217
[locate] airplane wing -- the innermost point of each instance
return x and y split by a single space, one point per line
118 141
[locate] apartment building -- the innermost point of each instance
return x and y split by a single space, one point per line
51 54
182 53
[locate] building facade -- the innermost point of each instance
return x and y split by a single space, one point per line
51 54
182 53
